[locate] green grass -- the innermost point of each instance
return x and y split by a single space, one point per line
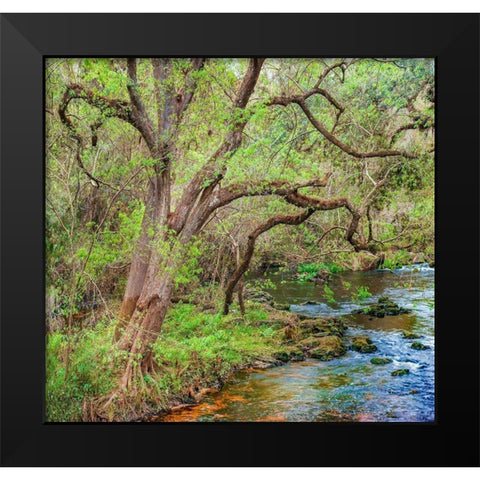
91 370
396 260
194 350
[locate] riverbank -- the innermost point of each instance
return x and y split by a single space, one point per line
196 352
199 349
387 373
362 261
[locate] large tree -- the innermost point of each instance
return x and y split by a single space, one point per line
204 125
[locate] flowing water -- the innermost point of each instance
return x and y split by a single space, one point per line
349 388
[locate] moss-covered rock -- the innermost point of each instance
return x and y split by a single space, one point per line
410 335
328 348
419 346
312 326
322 326
380 361
309 343
337 326
363 345
383 307
400 373
365 261
297 354
283 356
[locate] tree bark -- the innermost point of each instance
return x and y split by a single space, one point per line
139 265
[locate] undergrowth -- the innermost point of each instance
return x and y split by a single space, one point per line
194 350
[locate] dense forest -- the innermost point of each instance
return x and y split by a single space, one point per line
172 184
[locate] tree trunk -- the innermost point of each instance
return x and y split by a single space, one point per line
140 262
146 322
150 283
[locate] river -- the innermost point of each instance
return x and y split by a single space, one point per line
349 388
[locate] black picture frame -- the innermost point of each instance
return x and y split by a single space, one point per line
452 440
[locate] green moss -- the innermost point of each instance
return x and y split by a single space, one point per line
400 373
283 355
322 326
380 361
410 335
309 343
328 348
363 345
383 307
297 354
419 346
289 353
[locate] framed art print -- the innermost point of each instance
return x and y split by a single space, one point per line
244 243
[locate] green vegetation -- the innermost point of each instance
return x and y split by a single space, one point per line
397 260
383 307
380 361
363 345
308 271
410 335
361 294
419 346
195 350
168 179
92 365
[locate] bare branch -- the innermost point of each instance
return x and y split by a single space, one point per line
324 234
341 64
300 99
419 122
386 60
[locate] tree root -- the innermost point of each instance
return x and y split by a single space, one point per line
127 402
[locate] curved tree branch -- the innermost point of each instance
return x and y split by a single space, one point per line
295 219
343 146
229 193
301 99
109 107
312 205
